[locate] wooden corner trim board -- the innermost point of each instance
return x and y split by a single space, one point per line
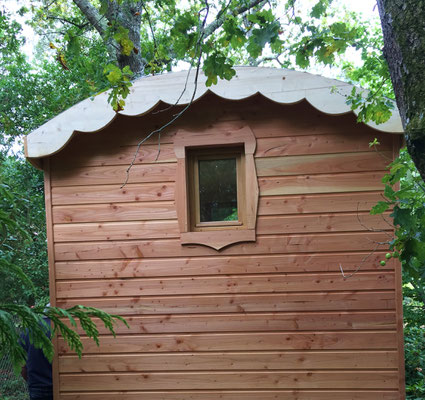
52 267
219 139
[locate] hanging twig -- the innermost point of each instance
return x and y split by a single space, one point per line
150 26
358 267
368 228
198 42
181 94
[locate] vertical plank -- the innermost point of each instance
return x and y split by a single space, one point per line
51 262
181 193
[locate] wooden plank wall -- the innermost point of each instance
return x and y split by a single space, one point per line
268 320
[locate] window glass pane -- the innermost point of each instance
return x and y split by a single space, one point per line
218 190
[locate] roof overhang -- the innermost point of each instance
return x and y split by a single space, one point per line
280 85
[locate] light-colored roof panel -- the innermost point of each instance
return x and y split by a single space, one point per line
280 85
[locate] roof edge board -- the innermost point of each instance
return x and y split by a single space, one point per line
279 85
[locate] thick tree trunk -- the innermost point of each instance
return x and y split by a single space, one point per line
403 26
129 16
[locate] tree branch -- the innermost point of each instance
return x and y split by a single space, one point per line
151 27
213 26
79 26
91 13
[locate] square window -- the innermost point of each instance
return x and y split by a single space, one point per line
216 189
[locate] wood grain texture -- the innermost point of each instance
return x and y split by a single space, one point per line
322 163
318 203
276 341
225 284
116 231
237 395
223 303
51 264
310 203
162 229
256 322
115 174
232 380
220 265
265 245
321 144
106 154
270 225
229 361
114 212
74 195
326 183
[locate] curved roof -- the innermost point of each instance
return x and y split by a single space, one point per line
280 85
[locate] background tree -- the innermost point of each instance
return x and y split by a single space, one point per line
405 194
404 37
143 37
23 253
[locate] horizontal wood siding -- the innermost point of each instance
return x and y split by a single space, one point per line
305 313
237 395
247 341
276 360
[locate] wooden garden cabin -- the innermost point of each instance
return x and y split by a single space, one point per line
225 249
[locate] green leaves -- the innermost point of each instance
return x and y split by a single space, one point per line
120 85
121 37
408 204
389 193
217 66
404 218
233 34
369 106
84 315
380 207
266 31
260 37
184 34
113 74
320 8
18 320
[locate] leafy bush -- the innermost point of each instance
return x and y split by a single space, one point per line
414 345
12 387
404 193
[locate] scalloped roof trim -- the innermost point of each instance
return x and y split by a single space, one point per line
280 85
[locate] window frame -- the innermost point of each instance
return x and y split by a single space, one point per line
217 142
194 157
